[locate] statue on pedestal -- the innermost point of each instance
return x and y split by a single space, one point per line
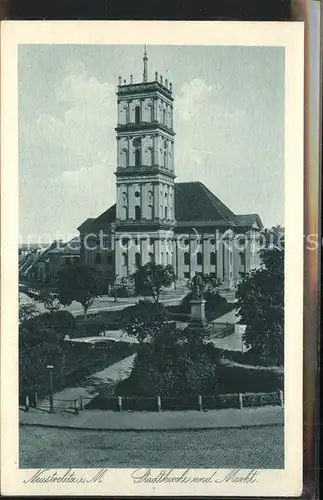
197 287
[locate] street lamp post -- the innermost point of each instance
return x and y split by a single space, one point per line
51 402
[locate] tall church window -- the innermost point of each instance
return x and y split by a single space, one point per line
199 259
150 211
151 257
124 212
213 259
137 114
137 157
137 259
166 213
137 212
165 154
164 116
125 259
150 113
98 258
242 259
150 152
137 146
125 158
186 259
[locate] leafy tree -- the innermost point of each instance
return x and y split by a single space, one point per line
27 311
174 363
50 301
144 320
151 278
260 301
79 283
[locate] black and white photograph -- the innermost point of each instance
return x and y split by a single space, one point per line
154 198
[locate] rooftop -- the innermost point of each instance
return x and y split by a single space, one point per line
193 202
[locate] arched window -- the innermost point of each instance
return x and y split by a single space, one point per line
125 259
124 213
110 259
137 157
137 259
213 259
164 116
186 259
125 158
98 258
165 154
137 212
151 155
242 258
166 213
150 113
150 212
137 114
125 114
199 259
151 257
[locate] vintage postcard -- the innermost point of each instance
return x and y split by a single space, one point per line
152 258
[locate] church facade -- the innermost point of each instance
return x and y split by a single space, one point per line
158 219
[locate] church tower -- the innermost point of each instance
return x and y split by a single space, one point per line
145 173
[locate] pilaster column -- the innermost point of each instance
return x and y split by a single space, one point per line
144 201
156 201
131 258
156 150
117 258
131 202
144 251
119 112
119 201
119 162
225 260
206 251
157 251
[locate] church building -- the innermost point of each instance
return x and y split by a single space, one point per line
155 218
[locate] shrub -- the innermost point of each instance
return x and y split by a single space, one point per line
121 292
245 379
90 327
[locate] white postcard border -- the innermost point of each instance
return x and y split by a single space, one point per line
287 482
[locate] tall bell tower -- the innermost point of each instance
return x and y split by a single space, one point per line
145 173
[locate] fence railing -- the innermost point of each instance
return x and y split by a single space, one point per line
159 403
198 402
52 404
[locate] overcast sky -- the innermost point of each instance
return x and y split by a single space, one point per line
228 119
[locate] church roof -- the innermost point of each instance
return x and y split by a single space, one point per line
107 216
193 202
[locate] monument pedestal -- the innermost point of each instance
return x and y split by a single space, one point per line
197 321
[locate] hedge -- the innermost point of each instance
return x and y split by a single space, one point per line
209 402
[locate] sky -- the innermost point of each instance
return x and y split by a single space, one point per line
228 119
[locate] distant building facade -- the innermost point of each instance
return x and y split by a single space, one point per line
154 218
43 267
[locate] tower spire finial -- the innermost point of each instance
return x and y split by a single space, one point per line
145 59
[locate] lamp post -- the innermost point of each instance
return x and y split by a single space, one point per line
51 402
